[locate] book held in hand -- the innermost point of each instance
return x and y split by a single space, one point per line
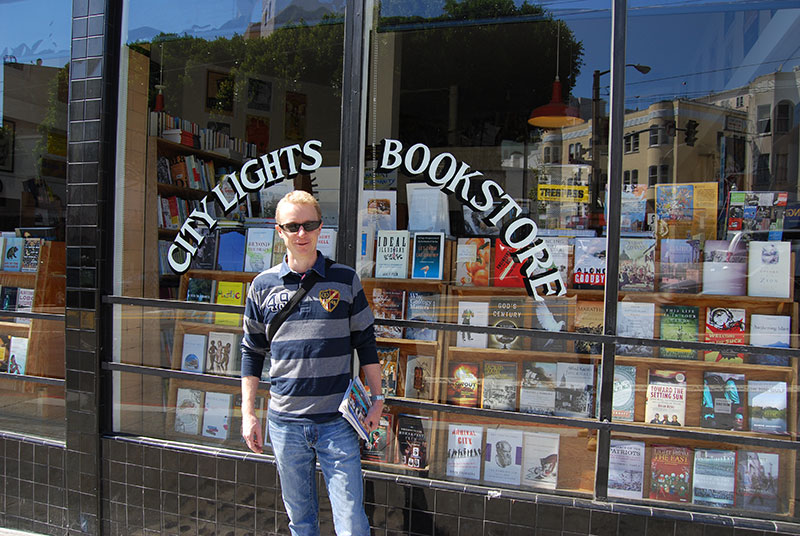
355 405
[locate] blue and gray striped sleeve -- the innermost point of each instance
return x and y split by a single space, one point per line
254 342
362 328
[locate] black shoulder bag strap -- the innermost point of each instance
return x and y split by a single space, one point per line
309 280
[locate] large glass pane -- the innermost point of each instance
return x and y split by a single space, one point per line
710 131
472 155
34 88
224 107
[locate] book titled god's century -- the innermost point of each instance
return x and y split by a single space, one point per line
508 312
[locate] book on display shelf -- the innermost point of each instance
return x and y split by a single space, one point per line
560 249
473 262
637 267
503 456
31 250
686 210
633 210
714 478
419 377
551 314
188 411
588 319
217 409
506 271
725 325
391 254
12 253
670 473
463 384
258 249
511 313
635 320
278 250
770 331
193 353
229 293
365 263
201 291
680 266
379 209
422 307
24 303
751 213
537 391
540 457
412 440
18 355
205 259
769 267
428 256
626 469
471 313
427 208
8 301
679 323
388 304
624 398
231 244
326 244
757 481
725 268
464 451
389 356
766 406
666 398
499 385
378 448
723 403
5 351
574 389
221 353
589 268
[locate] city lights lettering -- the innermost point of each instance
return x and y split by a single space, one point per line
254 175
451 176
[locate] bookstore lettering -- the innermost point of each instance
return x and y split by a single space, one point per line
446 172
254 175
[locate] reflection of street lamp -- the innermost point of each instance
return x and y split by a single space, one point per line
596 128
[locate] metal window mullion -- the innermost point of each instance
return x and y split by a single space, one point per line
613 210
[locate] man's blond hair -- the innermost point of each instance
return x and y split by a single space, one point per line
298 197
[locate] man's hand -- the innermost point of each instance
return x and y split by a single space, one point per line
372 420
251 432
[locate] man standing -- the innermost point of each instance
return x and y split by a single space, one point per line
310 369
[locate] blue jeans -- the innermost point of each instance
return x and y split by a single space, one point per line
336 445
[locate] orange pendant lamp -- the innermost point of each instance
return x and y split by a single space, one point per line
556 113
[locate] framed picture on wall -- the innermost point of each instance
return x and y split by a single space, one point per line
259 94
7 133
219 92
295 116
257 132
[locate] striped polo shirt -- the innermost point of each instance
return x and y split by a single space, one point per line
312 350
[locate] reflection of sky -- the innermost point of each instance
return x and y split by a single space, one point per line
36 30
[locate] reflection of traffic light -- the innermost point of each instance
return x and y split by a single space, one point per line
691 132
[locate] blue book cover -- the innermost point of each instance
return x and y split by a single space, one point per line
230 250
680 266
428 256
12 254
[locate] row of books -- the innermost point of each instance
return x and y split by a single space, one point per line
216 352
212 414
189 172
174 211
392 255
15 299
206 139
243 249
13 354
211 291
20 254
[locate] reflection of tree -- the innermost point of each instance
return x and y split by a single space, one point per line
296 54
502 70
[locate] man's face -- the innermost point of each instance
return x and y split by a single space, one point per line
303 243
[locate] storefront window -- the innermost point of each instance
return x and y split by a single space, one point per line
34 85
214 97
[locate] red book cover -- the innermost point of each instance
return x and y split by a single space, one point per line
463 384
178 172
506 271
725 325
670 474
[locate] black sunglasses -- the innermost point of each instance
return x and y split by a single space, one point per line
308 226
